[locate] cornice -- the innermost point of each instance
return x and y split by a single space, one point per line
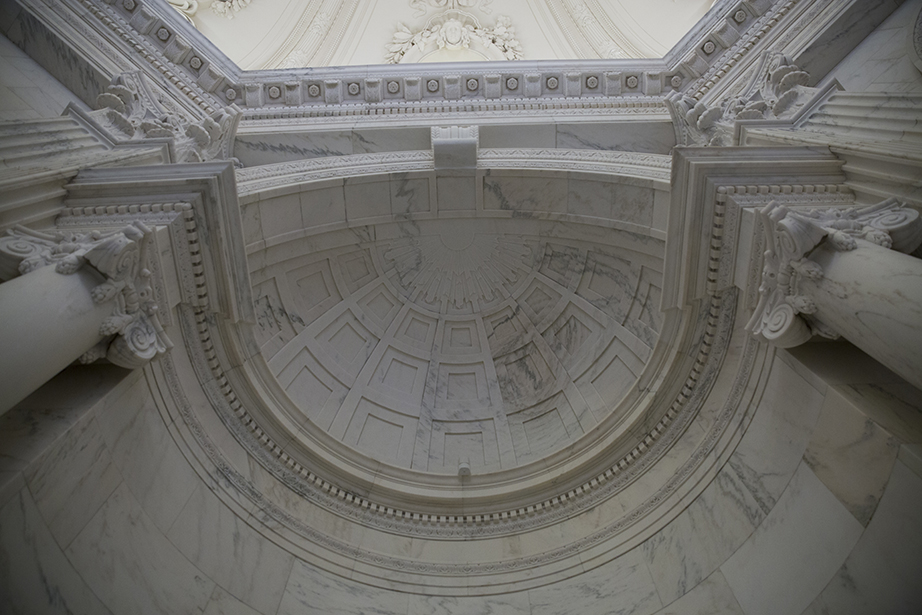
157 40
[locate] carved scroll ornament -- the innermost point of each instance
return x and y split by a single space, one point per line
119 257
783 316
777 92
130 109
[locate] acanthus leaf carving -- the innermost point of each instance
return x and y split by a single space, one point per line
228 8
777 91
119 258
131 110
454 30
790 237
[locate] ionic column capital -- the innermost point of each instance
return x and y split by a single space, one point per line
784 315
120 258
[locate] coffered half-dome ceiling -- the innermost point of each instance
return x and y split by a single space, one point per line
458 326
259 34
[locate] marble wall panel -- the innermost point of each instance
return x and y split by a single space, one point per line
633 204
280 215
145 454
401 375
882 573
405 138
354 269
623 586
646 137
72 479
457 194
367 197
590 198
274 326
221 544
314 592
563 264
525 191
258 149
712 596
28 91
252 225
131 565
808 526
312 291
880 63
382 433
223 603
29 428
35 576
322 206
895 406
698 541
409 194
608 283
852 455
543 136
64 63
775 441
505 604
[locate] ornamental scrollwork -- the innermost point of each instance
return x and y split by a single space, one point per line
228 8
777 91
186 8
131 110
783 315
454 30
119 257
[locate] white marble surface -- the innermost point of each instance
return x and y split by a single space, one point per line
621 587
143 451
128 562
72 479
880 63
698 541
35 576
648 137
223 603
809 526
28 91
311 591
712 596
882 573
227 549
504 604
777 436
852 455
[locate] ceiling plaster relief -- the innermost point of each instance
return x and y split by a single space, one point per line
454 35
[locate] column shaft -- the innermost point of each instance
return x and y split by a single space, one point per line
872 296
48 321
